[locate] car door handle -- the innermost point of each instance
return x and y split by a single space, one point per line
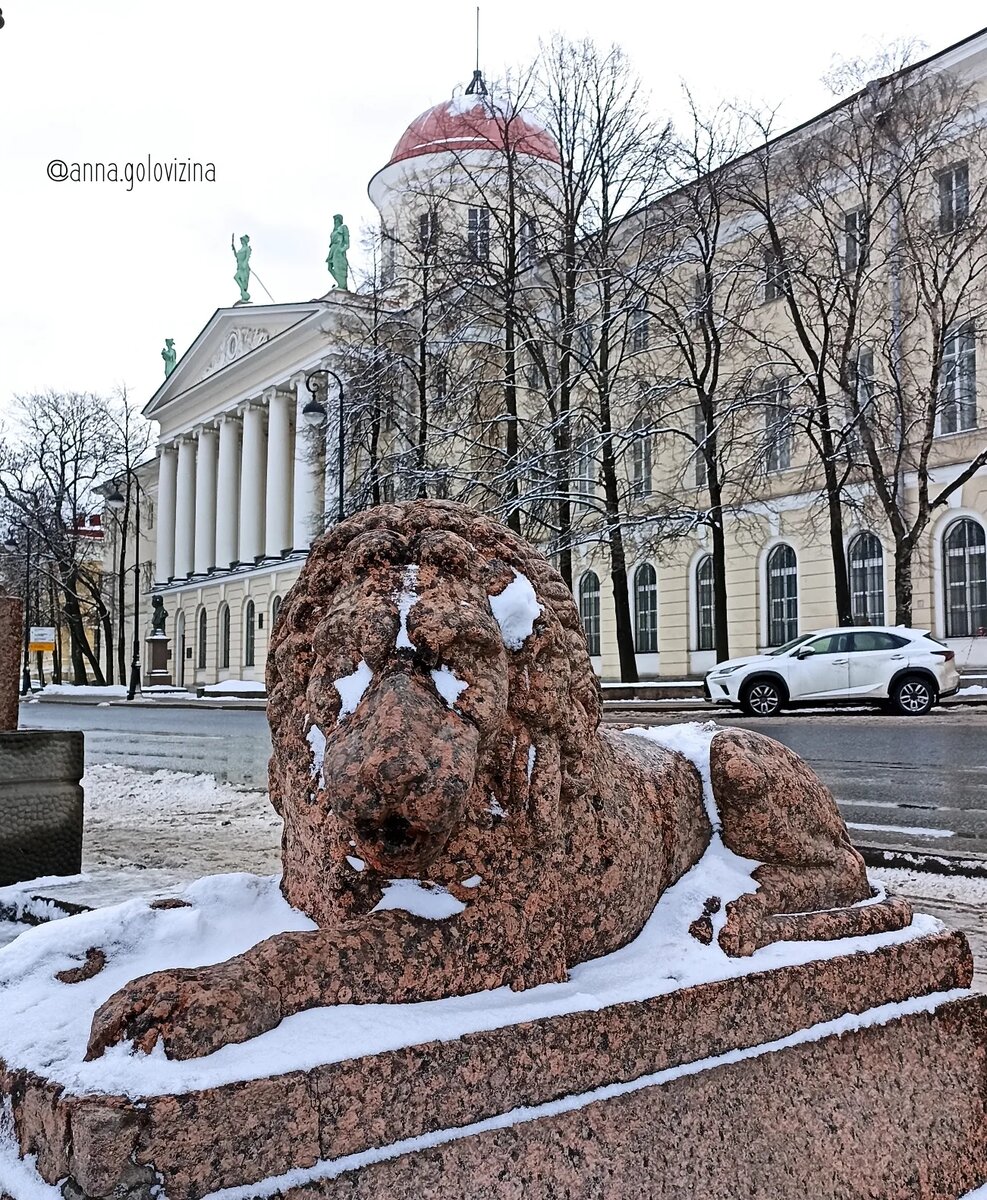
840 662
897 658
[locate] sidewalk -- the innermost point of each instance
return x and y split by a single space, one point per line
153 834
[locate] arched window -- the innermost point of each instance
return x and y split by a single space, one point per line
249 633
704 603
783 595
589 609
200 661
224 642
646 609
965 569
865 560
275 609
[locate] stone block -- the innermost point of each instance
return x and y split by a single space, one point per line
41 804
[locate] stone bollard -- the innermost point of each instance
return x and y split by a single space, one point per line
11 633
40 772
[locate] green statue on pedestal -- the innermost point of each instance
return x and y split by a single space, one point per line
242 276
339 243
169 355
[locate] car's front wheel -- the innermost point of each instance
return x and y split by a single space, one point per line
912 696
761 698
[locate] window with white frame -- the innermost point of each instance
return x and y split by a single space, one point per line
641 466
953 184
646 609
589 610
856 232
863 395
528 242
699 432
865 563
774 275
704 603
587 341
640 329
249 633
783 595
778 426
584 467
958 380
478 234
201 640
387 257
964 553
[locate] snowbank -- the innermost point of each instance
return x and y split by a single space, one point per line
233 685
116 690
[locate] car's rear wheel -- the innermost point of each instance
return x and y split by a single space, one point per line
761 698
912 696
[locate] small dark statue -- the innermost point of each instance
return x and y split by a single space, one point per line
159 615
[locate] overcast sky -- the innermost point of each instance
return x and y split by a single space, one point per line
297 103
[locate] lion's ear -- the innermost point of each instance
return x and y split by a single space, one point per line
378 548
449 554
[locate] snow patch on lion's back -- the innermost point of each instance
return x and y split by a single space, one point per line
515 610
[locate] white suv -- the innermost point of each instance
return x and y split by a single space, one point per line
905 670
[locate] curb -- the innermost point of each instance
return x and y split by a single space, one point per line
933 864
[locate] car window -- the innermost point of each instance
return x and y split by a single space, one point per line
871 639
804 637
832 643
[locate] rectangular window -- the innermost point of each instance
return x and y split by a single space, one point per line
954 196
584 468
528 242
863 391
703 303
778 427
428 231
641 466
958 380
478 234
774 275
699 429
587 341
387 258
856 236
640 332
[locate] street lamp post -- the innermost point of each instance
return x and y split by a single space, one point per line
12 546
315 413
117 502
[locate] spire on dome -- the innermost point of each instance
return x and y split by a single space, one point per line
477 85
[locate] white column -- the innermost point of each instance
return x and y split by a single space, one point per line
164 567
278 533
185 509
308 484
205 502
253 475
228 492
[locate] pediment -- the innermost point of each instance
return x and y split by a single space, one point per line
229 336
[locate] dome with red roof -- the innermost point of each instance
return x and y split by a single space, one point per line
473 122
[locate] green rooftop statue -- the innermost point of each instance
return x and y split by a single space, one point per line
339 243
242 275
169 355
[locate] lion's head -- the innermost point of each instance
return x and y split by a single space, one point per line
423 651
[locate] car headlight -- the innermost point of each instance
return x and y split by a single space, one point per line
725 671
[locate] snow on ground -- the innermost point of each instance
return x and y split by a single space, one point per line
112 692
234 685
974 689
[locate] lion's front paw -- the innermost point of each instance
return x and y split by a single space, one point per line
191 1011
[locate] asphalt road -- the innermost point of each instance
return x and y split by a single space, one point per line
921 781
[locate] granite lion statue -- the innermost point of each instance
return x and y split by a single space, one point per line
455 816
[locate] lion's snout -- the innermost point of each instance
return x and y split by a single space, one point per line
401 771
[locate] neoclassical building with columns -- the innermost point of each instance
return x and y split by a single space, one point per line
242 482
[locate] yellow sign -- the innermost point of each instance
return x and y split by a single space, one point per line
42 639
